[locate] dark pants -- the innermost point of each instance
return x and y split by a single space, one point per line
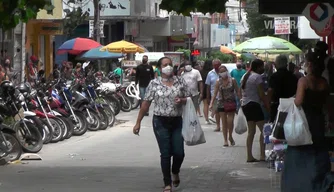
273 111
168 132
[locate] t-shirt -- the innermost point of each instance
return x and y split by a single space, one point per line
237 75
118 71
144 74
250 93
211 80
156 70
192 78
284 84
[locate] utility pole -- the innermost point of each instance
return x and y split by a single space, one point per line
97 33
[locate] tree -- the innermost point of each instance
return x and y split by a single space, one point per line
186 6
256 21
74 15
14 11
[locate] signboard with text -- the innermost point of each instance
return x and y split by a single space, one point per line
282 25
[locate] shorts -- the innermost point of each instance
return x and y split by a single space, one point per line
253 112
220 110
195 100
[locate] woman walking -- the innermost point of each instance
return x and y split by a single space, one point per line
227 88
307 168
169 93
207 67
252 96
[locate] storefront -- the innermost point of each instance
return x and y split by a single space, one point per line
39 42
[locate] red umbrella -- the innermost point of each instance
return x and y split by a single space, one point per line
77 45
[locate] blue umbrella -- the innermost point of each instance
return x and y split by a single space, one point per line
96 54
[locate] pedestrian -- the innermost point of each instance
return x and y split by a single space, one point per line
32 69
194 82
169 93
227 90
307 168
282 84
210 81
237 74
144 74
207 67
252 96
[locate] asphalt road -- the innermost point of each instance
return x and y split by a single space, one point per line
116 160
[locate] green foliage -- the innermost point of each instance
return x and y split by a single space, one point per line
224 58
256 20
186 6
14 11
186 52
74 17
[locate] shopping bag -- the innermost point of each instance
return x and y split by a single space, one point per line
191 128
282 112
296 128
241 126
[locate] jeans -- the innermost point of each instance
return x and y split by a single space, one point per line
168 132
142 91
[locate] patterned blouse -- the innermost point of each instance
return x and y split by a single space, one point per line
226 92
164 97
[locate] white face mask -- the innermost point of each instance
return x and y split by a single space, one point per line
168 70
188 68
223 74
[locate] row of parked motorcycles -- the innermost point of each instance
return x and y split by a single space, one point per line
56 110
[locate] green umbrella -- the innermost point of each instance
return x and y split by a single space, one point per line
267 44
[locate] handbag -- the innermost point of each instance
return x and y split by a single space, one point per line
230 106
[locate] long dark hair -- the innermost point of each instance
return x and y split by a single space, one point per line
318 63
207 67
255 65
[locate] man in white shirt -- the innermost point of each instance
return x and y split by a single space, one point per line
194 81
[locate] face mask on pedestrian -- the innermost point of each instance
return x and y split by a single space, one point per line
188 67
223 75
239 66
168 70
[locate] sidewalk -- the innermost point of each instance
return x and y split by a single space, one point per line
116 160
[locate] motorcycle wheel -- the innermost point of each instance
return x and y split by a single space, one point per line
115 103
104 119
15 149
47 129
81 126
126 105
134 102
94 122
63 127
69 125
46 136
57 131
111 116
30 142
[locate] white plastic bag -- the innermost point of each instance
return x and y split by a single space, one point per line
296 128
191 128
241 125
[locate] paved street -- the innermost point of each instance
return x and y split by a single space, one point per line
116 160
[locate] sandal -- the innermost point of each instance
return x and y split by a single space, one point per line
167 189
176 181
232 142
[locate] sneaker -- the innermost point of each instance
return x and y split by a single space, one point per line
208 123
212 119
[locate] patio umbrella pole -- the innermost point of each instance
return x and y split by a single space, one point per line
97 35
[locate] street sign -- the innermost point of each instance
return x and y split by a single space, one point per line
327 30
318 14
